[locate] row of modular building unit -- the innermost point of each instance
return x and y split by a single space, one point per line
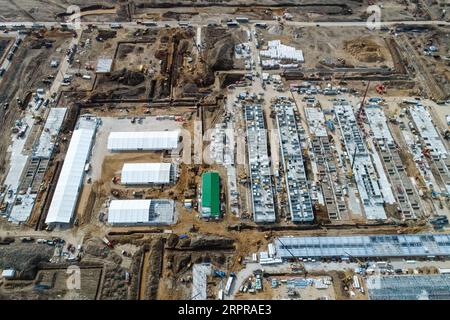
42 151
297 185
262 193
363 170
365 246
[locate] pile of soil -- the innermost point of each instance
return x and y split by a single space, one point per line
364 50
222 57
3 45
25 258
106 34
182 260
114 285
135 271
230 78
211 241
154 268
178 16
96 248
200 242
125 50
127 77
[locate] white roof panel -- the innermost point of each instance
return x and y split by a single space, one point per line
71 177
104 65
129 211
147 211
146 173
144 140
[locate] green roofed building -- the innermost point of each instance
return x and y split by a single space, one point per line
210 195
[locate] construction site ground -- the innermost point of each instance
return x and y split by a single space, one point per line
162 71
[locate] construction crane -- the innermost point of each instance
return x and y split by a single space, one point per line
350 173
297 264
361 263
361 107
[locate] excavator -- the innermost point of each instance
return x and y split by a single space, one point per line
426 152
380 88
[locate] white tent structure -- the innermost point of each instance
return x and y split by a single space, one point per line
147 173
66 193
128 212
144 140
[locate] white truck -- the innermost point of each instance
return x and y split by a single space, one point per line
229 284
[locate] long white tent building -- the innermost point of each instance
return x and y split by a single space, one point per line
143 140
70 180
148 173
148 212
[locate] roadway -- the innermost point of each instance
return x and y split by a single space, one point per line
173 23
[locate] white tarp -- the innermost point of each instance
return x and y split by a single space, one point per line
144 211
71 177
144 140
146 173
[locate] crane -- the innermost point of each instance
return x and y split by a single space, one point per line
361 263
350 173
361 107
296 259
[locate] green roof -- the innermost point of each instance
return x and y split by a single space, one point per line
211 194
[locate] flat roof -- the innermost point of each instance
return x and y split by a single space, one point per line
211 194
104 65
46 142
259 162
409 287
147 173
371 246
143 140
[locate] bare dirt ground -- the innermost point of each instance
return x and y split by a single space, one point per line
353 47
164 64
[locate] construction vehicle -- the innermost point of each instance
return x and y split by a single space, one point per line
380 88
435 194
107 242
446 134
360 112
426 152
362 264
219 274
350 172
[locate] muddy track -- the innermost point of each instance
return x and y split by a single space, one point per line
48 197
249 4
143 275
